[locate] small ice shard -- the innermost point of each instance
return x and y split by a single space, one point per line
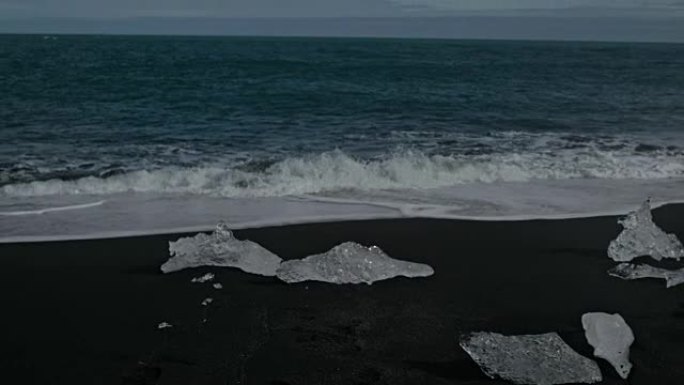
164 325
207 301
205 278
634 271
217 286
220 249
642 237
350 263
611 338
540 359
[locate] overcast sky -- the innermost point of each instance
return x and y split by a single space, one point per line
620 17
318 8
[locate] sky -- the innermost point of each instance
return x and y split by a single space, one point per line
658 20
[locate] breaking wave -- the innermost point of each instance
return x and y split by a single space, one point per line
339 171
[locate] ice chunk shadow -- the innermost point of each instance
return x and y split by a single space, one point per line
542 359
220 249
350 263
461 370
611 337
641 237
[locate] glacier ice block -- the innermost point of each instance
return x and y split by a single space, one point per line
636 271
641 237
540 359
611 337
220 249
350 263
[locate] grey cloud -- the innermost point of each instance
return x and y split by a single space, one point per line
540 7
630 20
326 8
544 28
217 8
474 5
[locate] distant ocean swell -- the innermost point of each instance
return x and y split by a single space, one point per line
339 171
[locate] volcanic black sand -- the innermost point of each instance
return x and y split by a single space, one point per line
86 312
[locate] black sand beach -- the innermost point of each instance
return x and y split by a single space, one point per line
87 312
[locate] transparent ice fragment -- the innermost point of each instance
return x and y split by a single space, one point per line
164 325
203 279
611 338
634 271
540 359
642 237
220 249
350 263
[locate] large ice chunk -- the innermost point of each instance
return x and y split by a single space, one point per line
634 271
642 237
611 338
350 263
220 249
541 359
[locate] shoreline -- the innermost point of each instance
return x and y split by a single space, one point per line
87 311
394 212
126 215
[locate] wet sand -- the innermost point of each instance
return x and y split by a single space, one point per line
86 312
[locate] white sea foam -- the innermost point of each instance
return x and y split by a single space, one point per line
50 209
142 214
337 171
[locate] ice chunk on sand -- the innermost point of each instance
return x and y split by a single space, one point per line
634 271
642 237
611 338
220 249
164 325
350 263
203 279
541 359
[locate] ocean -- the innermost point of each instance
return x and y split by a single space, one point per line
113 135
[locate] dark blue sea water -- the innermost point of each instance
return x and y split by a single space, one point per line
240 117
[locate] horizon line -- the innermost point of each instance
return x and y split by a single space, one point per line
470 27
357 37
